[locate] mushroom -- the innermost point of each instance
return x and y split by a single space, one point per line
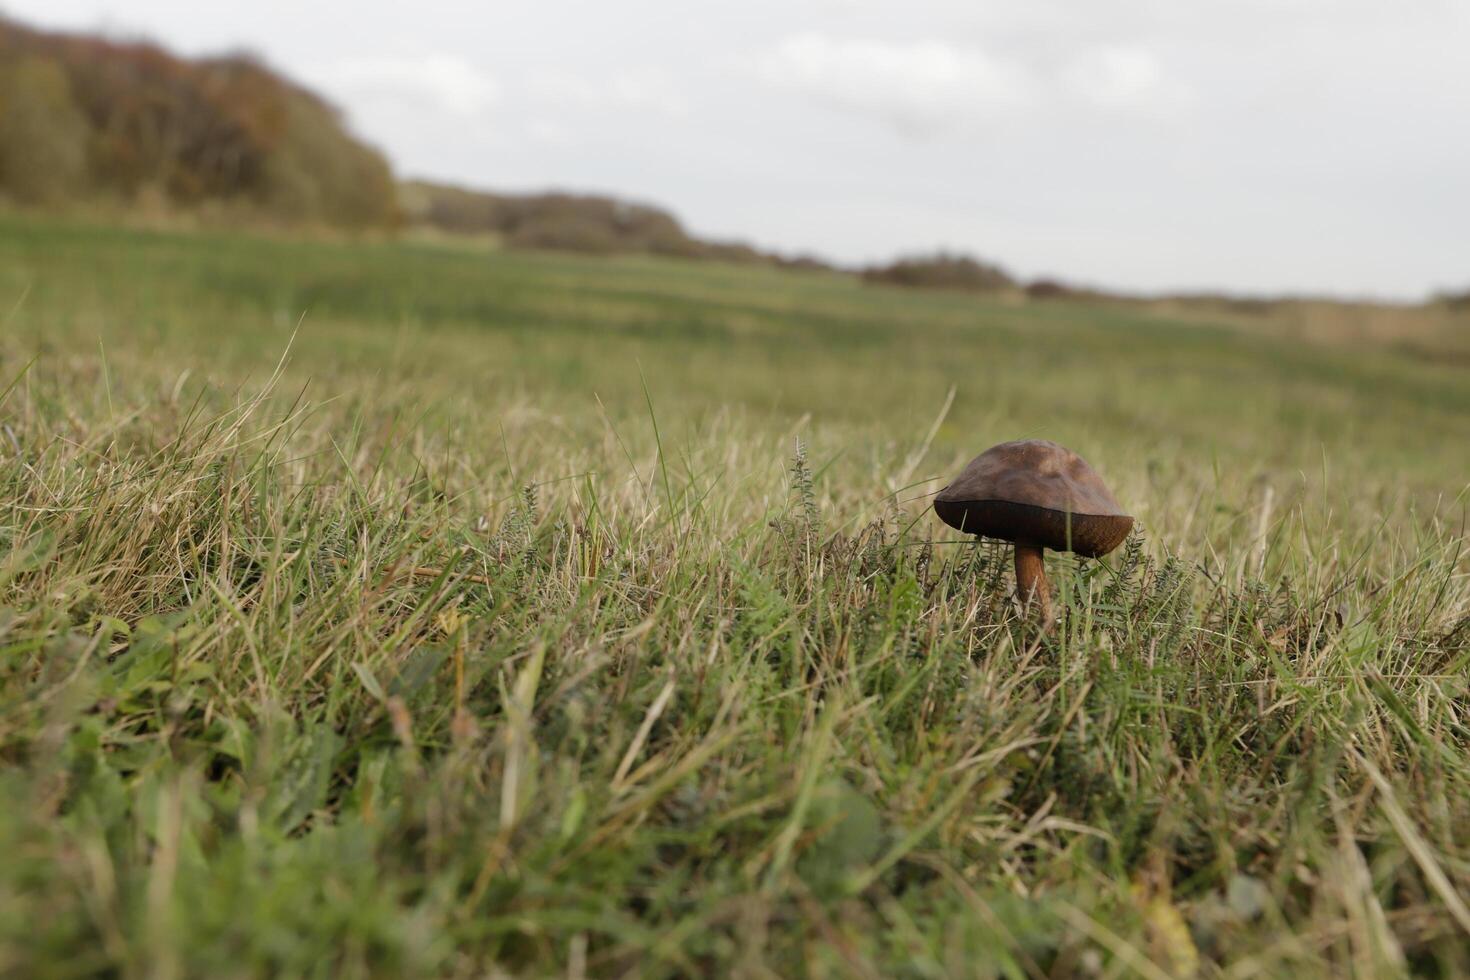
1036 495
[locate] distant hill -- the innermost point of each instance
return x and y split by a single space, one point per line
85 118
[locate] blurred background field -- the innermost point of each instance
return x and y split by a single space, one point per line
1186 398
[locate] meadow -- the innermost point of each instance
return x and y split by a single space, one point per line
392 608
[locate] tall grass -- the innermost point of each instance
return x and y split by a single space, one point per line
405 654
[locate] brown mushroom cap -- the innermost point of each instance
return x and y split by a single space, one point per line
1035 492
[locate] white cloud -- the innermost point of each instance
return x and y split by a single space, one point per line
438 81
925 86
626 88
1125 78
549 133
919 87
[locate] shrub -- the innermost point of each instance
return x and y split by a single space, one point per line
942 270
1455 302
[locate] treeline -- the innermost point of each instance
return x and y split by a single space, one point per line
588 223
87 119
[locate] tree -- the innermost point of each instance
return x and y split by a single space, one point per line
43 134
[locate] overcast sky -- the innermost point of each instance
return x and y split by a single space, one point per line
1303 145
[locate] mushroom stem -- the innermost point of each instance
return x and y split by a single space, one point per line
1031 584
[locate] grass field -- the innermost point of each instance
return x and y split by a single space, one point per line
548 615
